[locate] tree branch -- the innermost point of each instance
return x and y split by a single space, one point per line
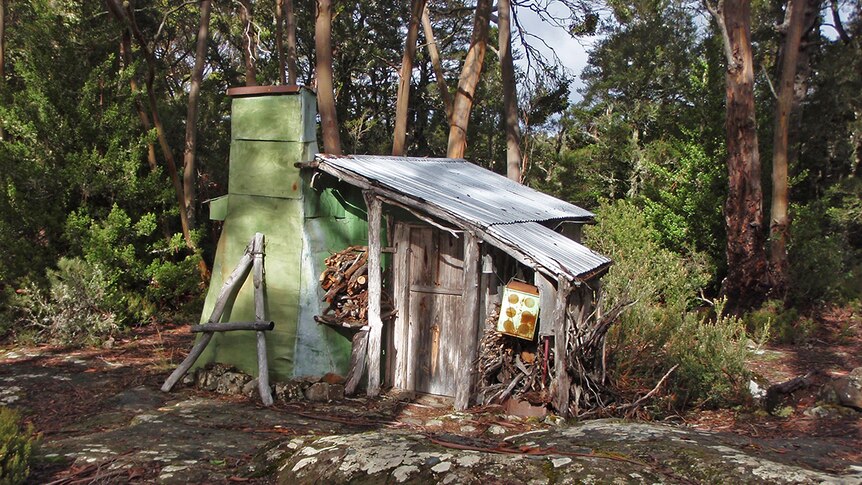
717 12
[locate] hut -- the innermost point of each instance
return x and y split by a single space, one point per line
444 239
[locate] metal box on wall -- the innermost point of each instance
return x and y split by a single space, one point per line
519 311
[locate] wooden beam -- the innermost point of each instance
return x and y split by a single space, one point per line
375 283
467 336
231 326
260 314
562 380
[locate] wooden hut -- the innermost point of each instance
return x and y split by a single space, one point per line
457 232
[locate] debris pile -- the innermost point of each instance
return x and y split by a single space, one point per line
345 281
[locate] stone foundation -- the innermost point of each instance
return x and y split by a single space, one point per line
225 379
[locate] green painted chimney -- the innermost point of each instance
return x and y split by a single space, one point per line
273 128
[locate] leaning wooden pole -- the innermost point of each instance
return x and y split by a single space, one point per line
231 284
259 315
375 284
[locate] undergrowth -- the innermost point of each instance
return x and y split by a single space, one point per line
16 447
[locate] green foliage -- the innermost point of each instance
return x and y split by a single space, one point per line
825 246
780 324
16 448
76 308
662 328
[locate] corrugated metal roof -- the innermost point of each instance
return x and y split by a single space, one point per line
479 195
551 250
506 211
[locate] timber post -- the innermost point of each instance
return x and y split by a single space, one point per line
562 380
467 338
375 289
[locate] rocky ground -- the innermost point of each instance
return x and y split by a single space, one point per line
103 420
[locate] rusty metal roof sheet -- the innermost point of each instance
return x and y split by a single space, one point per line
477 194
507 214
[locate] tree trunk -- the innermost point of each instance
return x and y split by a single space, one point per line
192 112
468 81
434 54
250 45
279 40
2 60
746 283
402 102
291 42
779 223
325 89
510 95
125 56
127 17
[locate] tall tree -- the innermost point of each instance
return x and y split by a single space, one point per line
780 221
279 40
126 59
291 41
510 95
126 16
402 101
2 58
746 283
250 46
189 189
467 82
323 71
434 55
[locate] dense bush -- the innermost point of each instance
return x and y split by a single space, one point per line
665 327
16 448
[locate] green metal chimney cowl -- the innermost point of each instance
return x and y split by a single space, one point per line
272 128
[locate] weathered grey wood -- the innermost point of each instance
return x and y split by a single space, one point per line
437 290
357 362
230 285
231 326
260 314
466 341
401 292
375 282
547 301
562 380
186 364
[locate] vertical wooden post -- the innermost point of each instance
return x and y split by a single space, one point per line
467 336
375 283
260 315
562 381
401 330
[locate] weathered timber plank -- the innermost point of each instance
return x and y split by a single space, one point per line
562 380
401 329
466 341
375 283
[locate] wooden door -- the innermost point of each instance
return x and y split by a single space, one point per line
431 281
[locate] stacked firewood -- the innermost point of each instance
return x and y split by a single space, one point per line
509 366
345 281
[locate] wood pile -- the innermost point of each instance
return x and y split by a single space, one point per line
345 281
509 366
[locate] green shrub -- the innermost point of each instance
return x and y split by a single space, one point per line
75 308
667 325
16 448
775 322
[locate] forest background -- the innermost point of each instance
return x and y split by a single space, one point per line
103 220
